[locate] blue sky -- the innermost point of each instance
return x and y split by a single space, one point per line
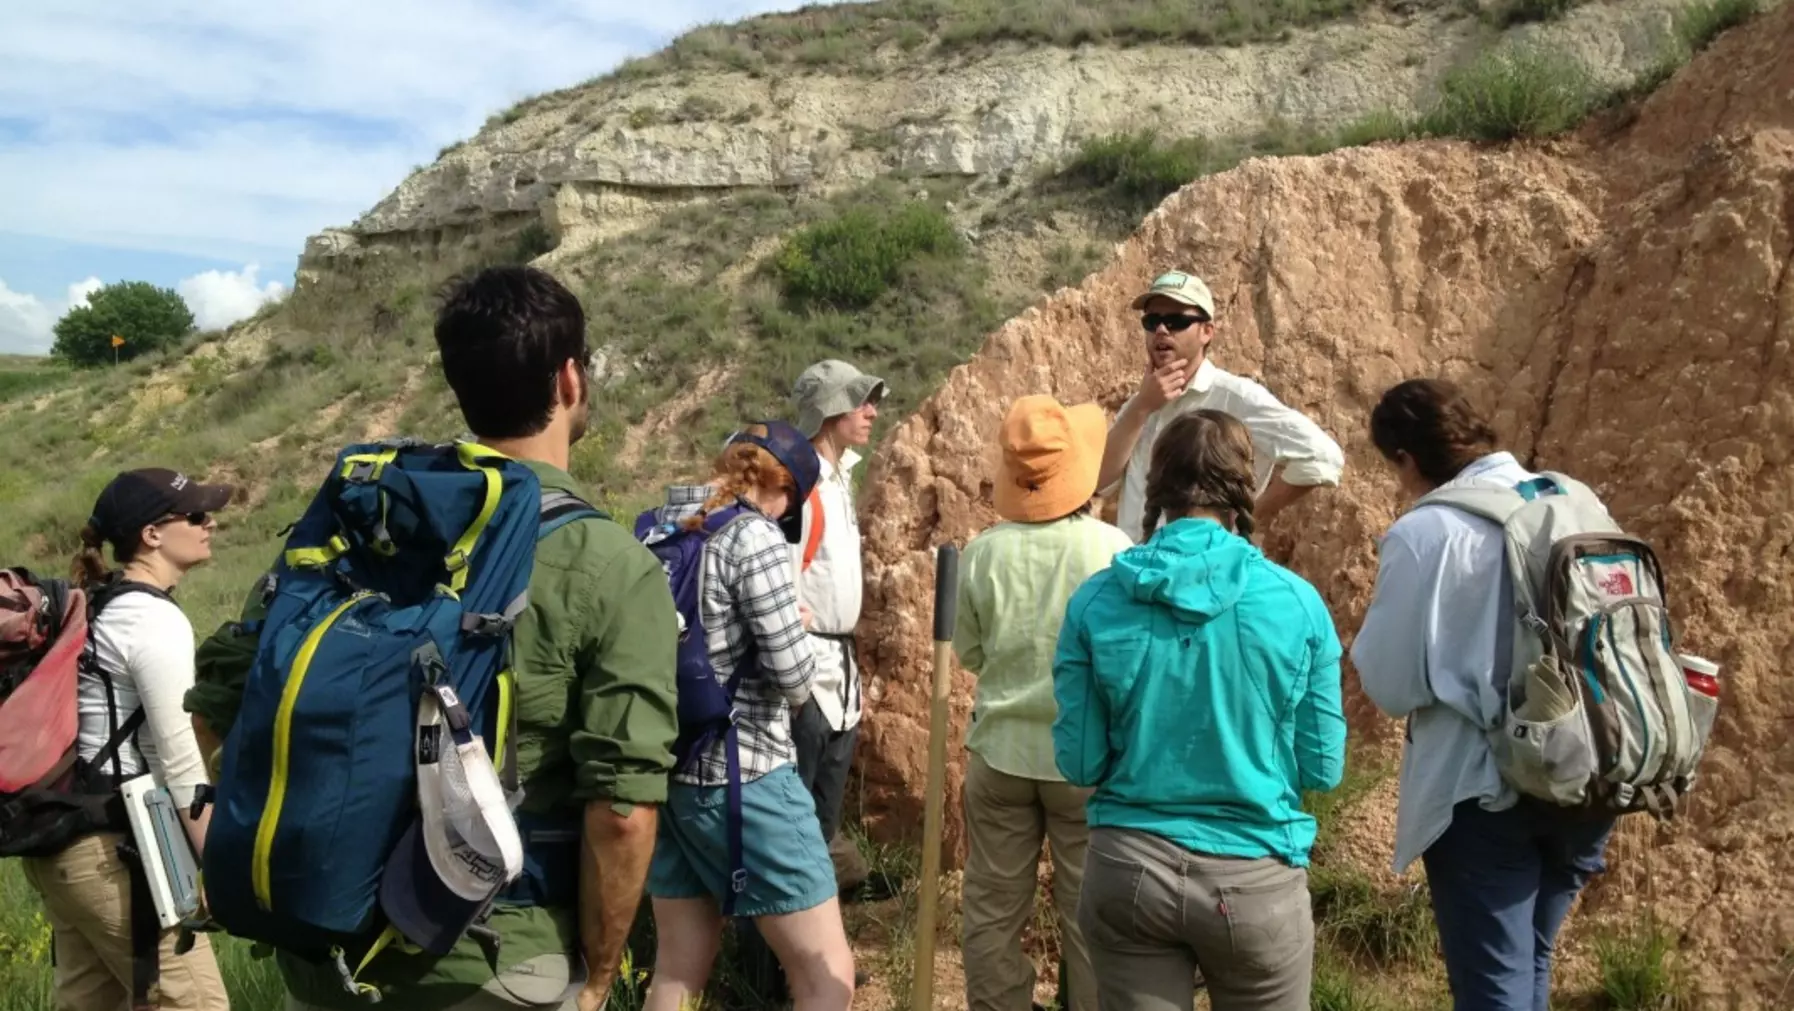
196 144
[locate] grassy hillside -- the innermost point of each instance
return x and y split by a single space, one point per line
703 319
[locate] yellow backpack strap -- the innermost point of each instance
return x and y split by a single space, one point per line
471 456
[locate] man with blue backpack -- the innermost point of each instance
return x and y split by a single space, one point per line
440 775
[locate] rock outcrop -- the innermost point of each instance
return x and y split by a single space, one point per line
602 159
1621 302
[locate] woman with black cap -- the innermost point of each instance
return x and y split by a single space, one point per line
159 526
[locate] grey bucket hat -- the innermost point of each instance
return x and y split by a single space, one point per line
829 388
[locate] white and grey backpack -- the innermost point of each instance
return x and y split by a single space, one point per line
1599 715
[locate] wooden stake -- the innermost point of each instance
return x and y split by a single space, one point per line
946 598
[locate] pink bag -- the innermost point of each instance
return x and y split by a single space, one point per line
40 657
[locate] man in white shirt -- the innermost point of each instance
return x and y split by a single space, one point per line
836 407
1434 648
1291 454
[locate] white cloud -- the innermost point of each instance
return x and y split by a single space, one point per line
233 131
26 321
219 298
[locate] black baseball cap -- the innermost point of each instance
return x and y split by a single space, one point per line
788 446
137 498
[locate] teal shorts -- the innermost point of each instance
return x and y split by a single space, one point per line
788 866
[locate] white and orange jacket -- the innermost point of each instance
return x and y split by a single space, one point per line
830 583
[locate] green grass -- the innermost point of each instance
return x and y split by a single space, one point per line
849 37
1512 91
26 980
1377 927
22 376
1641 969
1338 988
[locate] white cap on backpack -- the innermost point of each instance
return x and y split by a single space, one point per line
464 846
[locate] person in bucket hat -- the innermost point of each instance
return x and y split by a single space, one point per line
837 405
746 602
1292 455
1014 582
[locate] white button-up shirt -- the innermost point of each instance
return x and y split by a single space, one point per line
832 588
1281 436
1435 648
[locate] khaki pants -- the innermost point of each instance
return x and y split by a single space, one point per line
87 899
1006 819
1156 915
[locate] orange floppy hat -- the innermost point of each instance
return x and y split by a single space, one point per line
1052 455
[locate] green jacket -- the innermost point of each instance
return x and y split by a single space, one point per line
596 719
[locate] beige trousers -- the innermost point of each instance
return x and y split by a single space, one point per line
87 899
1007 817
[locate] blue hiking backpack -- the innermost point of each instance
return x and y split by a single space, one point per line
706 704
406 574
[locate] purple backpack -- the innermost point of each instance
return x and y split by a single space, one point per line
706 704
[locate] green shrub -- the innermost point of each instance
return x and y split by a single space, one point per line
1141 168
532 240
1699 23
848 262
1337 989
1378 125
1510 92
1640 970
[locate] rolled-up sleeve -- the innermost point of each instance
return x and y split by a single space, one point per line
622 747
1307 454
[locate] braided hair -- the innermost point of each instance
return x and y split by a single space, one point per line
742 468
1202 460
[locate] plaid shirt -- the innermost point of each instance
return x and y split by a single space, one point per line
746 589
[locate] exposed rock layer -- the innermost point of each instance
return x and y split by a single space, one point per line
1622 305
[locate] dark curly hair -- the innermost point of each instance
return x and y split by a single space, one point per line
1202 460
1432 422
505 333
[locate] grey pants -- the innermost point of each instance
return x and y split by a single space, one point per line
1154 915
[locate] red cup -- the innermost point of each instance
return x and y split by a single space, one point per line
1701 674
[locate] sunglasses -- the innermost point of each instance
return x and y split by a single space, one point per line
197 519
1174 322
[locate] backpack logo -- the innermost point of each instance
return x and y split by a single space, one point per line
1616 584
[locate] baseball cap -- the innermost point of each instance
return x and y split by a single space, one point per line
829 388
793 451
464 845
137 498
1181 287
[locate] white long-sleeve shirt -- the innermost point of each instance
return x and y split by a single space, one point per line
146 644
1434 648
832 588
1281 436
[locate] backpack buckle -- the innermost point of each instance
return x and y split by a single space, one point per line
456 560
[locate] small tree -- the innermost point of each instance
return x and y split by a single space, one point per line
147 317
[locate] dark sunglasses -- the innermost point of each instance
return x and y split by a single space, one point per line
1174 322
193 519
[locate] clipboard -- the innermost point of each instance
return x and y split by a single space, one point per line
167 851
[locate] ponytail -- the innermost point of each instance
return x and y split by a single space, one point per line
89 566
742 468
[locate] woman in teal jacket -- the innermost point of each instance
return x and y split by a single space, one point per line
1197 685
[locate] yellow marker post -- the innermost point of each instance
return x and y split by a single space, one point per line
117 342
